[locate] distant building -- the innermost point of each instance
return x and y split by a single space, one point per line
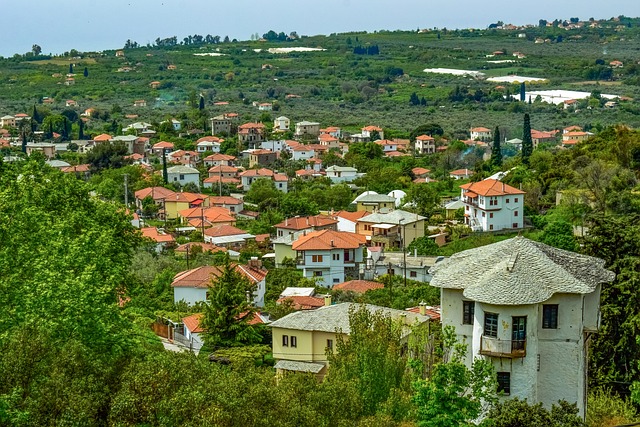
492 205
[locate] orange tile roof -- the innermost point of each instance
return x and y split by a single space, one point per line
153 234
420 171
372 128
327 240
432 311
300 302
102 137
219 157
225 180
358 286
480 129
157 193
491 187
462 172
424 138
77 168
224 230
258 172
224 200
251 126
206 247
351 216
163 144
193 323
201 277
301 223
212 214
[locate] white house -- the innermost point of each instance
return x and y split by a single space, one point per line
492 205
338 174
274 145
307 128
329 256
347 220
183 175
530 310
248 177
425 144
281 124
209 143
303 152
481 134
192 286
369 131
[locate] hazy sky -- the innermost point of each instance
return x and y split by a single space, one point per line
95 25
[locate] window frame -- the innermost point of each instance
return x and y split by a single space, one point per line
468 312
504 383
490 327
549 318
293 343
285 340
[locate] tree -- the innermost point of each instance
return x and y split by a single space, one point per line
516 412
263 191
523 92
371 358
424 246
454 395
527 142
496 153
86 72
559 234
201 104
105 156
227 312
70 68
37 50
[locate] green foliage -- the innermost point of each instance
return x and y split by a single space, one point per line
227 311
496 152
607 409
454 395
104 156
527 141
424 245
516 412
560 235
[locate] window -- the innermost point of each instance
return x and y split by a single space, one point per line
515 200
468 310
504 382
515 225
550 316
316 258
181 177
483 214
285 340
515 213
490 226
491 215
413 274
330 344
467 207
491 325
336 280
294 341
336 257
317 273
507 200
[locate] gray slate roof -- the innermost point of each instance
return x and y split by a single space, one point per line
519 271
336 318
293 365
392 217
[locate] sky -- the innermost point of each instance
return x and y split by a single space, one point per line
59 26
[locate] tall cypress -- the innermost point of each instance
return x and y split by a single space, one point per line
86 72
527 142
496 153
165 174
81 129
70 68
523 92
201 103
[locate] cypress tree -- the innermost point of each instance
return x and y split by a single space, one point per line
527 142
24 142
86 72
165 174
201 102
81 129
35 116
496 153
522 92
70 68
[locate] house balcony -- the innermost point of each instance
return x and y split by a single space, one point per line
495 347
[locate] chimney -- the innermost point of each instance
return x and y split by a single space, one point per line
423 308
254 262
327 300
332 244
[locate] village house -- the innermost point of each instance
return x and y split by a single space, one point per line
221 125
572 138
369 132
209 143
539 137
492 205
234 205
192 286
227 236
183 175
387 145
329 256
248 177
160 239
529 309
262 158
481 134
158 194
202 217
305 224
461 174
218 159
302 339
396 263
425 144
265 106
161 147
173 204
393 229
333 131
251 133
7 121
183 157
338 174
306 128
140 103
372 202
347 220
281 124
328 141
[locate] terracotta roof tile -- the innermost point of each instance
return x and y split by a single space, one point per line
491 187
327 240
302 302
301 223
358 286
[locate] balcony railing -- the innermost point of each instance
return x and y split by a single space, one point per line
502 348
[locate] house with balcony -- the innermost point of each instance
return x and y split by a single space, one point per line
492 205
529 309
281 124
209 143
425 144
371 201
302 339
393 229
250 134
481 134
329 256
338 174
250 176
262 158
306 128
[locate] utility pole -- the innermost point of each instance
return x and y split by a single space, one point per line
126 190
202 221
220 180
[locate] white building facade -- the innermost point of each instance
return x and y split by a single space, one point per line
529 309
491 205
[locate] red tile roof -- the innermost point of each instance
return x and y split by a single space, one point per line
432 311
163 144
424 138
193 323
206 247
328 240
299 302
301 223
211 214
210 139
153 234
102 137
158 193
201 277
219 157
224 230
420 171
351 216
224 200
491 187
462 172
358 286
